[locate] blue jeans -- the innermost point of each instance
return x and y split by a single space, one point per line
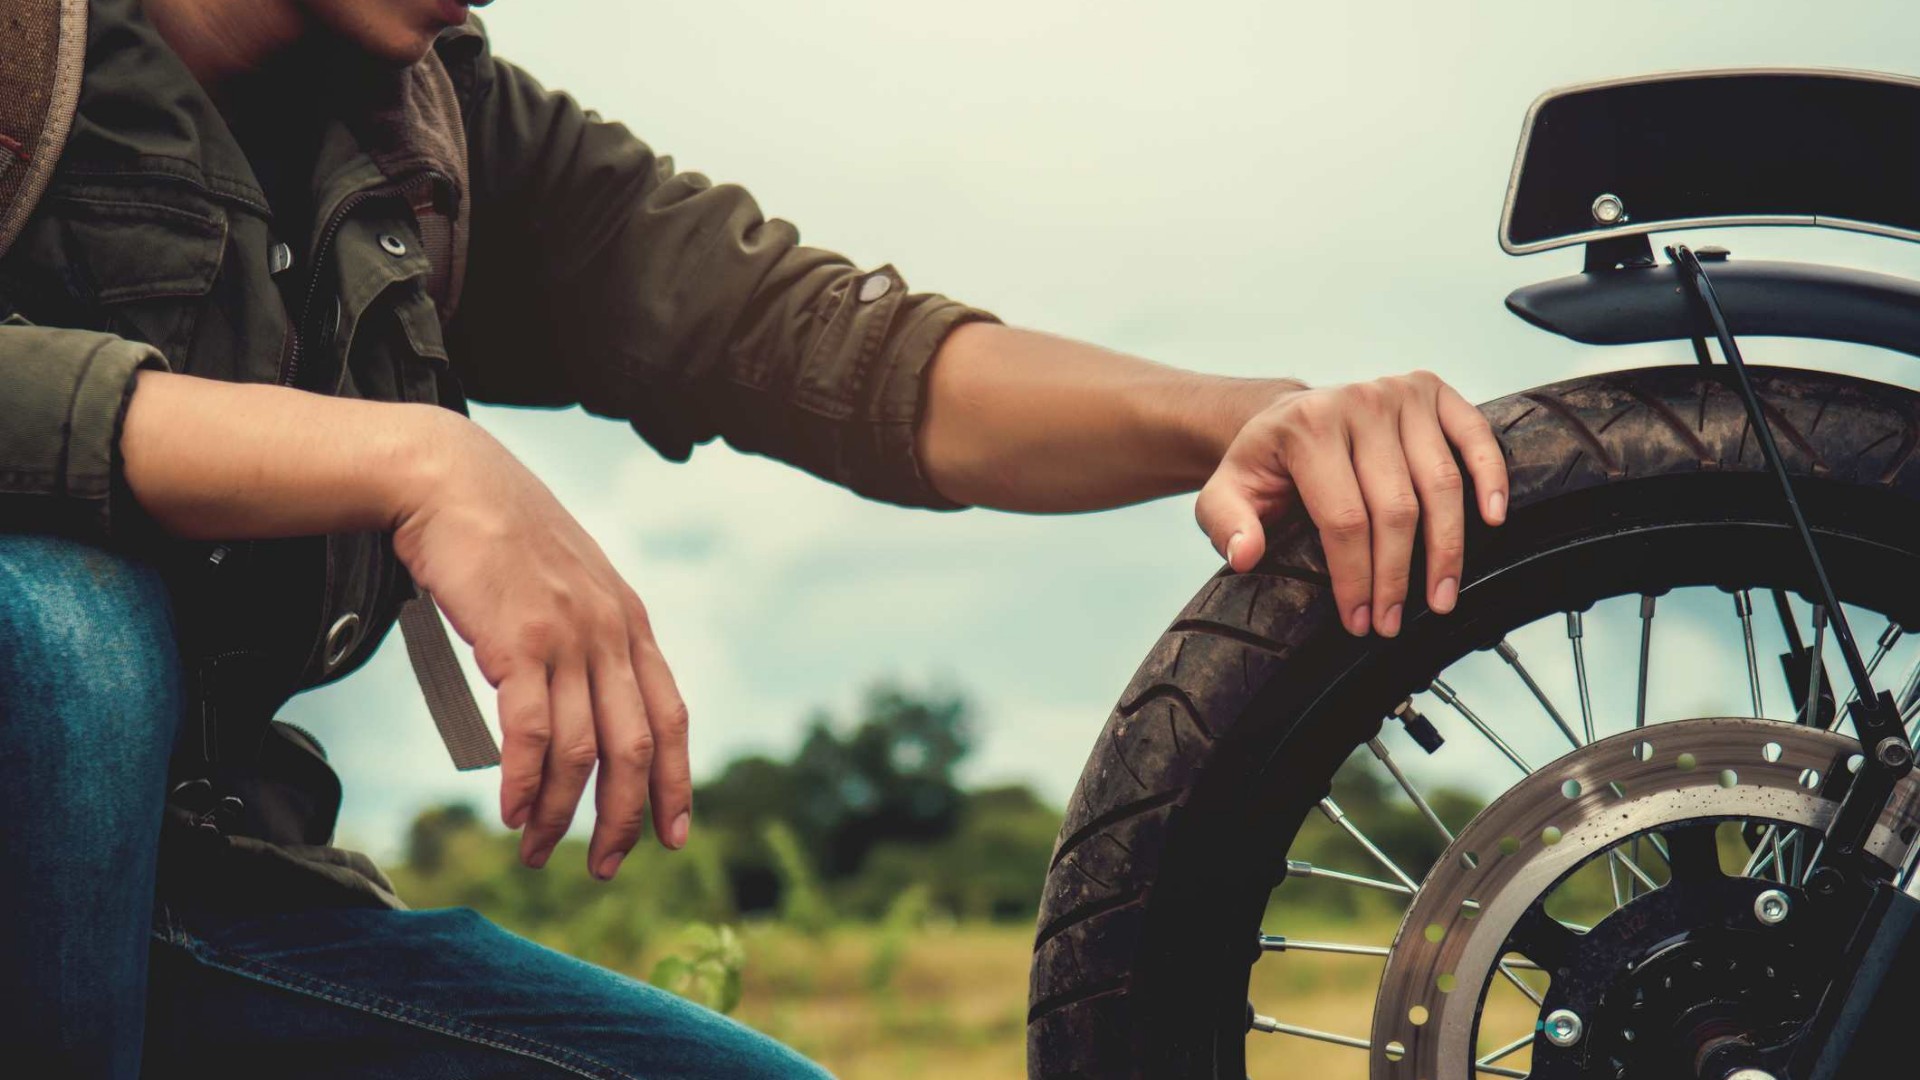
97 985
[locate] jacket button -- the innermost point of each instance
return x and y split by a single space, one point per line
279 259
875 287
341 638
392 245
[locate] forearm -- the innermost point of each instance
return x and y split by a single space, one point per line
216 460
1018 420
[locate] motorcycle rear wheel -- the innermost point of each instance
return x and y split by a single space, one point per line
1230 734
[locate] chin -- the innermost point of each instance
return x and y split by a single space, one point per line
404 47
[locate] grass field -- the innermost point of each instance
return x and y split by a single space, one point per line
955 1005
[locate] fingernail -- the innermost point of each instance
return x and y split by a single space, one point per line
1497 506
677 834
1390 622
1233 544
1359 621
610 865
538 859
1445 596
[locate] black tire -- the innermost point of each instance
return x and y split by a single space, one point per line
1233 726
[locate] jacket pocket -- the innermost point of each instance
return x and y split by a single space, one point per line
132 251
144 269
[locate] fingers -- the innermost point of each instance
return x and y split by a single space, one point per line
1480 449
1437 480
525 731
1331 492
571 753
671 779
626 751
1372 463
1393 510
1228 515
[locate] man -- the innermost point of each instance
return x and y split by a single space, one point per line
227 461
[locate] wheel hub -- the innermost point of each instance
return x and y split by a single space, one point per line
1680 972
1482 902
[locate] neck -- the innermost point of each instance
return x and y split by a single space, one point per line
222 39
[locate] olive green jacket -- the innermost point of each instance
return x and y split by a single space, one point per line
596 274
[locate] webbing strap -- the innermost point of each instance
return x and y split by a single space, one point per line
443 238
449 698
43 52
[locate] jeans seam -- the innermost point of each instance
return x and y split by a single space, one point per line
399 1012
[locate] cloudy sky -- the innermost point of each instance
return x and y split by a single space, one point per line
1238 186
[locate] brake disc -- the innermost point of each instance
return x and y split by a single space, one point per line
1550 824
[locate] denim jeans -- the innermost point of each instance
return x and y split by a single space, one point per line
97 985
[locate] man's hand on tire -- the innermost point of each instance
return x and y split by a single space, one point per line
1369 462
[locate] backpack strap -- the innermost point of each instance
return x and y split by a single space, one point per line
434 112
42 58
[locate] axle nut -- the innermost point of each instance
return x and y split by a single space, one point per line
1771 907
1894 753
1563 1027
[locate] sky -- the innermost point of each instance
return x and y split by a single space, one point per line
1247 187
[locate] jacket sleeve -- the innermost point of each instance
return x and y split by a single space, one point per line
65 396
599 275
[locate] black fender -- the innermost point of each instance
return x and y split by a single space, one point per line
1633 305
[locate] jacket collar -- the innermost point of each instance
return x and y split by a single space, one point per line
141 112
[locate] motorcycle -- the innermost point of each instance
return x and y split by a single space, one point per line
1635 891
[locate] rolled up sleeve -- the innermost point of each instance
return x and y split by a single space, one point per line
65 394
601 275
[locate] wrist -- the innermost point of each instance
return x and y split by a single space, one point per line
424 444
1218 412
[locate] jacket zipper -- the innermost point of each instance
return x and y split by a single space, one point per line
290 369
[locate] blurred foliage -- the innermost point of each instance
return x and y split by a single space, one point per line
903 920
706 969
866 822
855 900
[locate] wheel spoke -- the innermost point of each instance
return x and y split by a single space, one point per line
1770 851
1302 869
1743 607
1506 970
1647 608
1426 810
1888 639
1647 605
1446 693
1512 656
1339 817
1816 668
1274 1027
1576 638
1630 864
1508 1050
1281 943
1910 690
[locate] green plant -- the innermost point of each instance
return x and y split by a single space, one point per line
897 929
802 905
707 968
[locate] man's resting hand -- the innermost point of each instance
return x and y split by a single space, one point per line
552 624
